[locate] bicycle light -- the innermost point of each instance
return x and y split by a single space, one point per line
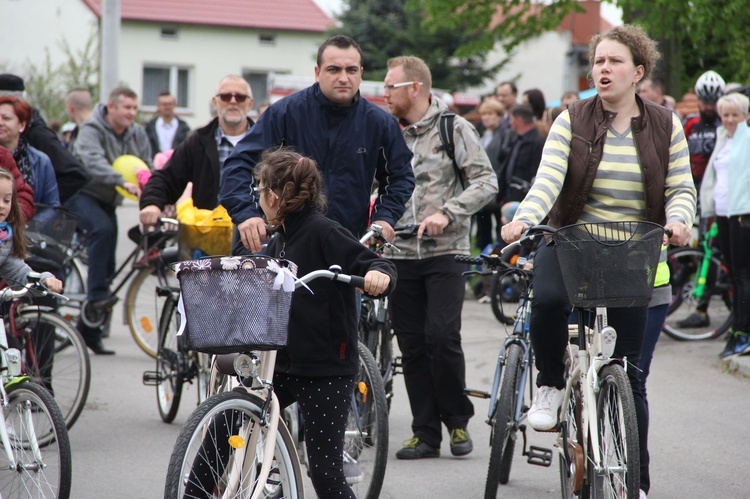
13 357
246 365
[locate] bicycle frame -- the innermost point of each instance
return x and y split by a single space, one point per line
586 372
708 252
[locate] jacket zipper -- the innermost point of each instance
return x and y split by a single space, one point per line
590 144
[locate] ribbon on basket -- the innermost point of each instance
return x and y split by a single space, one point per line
285 279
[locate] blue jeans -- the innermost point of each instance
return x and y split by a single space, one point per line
100 223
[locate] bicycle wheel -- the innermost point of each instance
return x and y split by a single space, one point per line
55 356
39 441
169 364
684 265
572 456
142 306
367 427
504 425
75 288
617 439
205 461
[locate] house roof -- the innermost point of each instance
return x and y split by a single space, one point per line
294 15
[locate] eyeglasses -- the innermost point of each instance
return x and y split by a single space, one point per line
258 190
240 98
390 88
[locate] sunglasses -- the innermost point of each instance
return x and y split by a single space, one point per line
240 98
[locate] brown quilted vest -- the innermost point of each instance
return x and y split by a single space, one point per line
652 133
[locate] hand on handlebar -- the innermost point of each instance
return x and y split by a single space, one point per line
376 283
433 225
53 284
149 216
253 233
680 234
387 231
512 231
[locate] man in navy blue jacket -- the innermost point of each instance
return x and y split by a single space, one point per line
353 142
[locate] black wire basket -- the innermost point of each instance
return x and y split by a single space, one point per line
609 264
49 236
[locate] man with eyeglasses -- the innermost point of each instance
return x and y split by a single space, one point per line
201 157
354 143
428 300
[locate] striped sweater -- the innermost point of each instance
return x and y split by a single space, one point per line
617 193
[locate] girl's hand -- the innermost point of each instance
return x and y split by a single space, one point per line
53 284
376 283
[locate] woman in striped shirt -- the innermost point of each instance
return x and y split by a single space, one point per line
613 157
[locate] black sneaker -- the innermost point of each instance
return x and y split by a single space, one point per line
416 449
461 442
738 343
696 319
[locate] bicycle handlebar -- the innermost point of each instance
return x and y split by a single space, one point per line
34 284
334 273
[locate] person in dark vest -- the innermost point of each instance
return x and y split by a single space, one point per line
612 157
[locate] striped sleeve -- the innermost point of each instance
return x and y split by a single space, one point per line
551 174
679 189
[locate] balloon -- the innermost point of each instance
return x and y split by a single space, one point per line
128 166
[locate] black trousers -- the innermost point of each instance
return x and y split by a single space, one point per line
426 311
739 268
550 309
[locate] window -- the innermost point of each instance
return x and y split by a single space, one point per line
172 79
169 33
267 39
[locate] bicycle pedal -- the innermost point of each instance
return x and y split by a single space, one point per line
476 393
152 378
539 456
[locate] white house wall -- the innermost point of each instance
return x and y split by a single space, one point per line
27 27
538 63
211 53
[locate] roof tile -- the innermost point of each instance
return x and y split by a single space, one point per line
295 15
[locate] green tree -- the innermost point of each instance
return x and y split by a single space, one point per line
48 84
453 37
695 35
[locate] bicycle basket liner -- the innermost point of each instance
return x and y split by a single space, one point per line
203 232
231 305
609 264
209 240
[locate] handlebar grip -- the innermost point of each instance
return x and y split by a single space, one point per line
357 282
469 260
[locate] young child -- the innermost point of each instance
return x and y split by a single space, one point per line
12 241
319 364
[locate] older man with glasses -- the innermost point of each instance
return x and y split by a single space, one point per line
201 157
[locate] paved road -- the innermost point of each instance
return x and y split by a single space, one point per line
699 431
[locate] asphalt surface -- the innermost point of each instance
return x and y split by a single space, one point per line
699 436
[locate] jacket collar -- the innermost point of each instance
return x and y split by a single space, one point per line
330 106
638 124
293 221
429 120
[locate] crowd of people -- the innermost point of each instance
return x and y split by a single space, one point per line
303 175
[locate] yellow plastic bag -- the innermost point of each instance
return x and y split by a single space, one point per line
209 231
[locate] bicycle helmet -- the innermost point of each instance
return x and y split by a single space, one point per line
710 86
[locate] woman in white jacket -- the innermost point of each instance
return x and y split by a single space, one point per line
722 197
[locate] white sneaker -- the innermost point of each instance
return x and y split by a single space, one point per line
642 495
543 413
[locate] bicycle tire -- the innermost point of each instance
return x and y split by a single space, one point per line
60 362
573 482
684 264
367 427
203 427
617 439
27 479
504 426
143 305
169 364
